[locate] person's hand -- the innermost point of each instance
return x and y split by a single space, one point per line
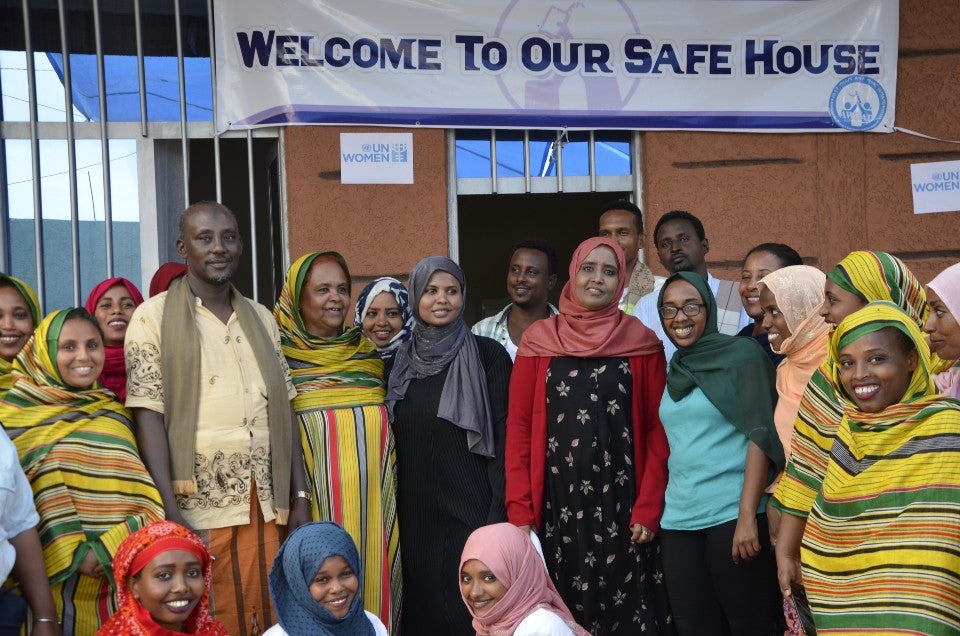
641 534
90 566
773 522
300 513
746 540
788 570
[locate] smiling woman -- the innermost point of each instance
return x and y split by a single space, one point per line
163 584
347 442
112 303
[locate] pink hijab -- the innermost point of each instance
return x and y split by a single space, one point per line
508 552
586 333
946 285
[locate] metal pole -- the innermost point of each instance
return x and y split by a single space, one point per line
104 142
34 155
184 148
526 159
592 160
141 71
213 83
493 160
253 215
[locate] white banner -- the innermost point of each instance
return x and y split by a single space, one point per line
936 186
788 65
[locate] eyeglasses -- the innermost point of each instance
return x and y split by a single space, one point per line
690 309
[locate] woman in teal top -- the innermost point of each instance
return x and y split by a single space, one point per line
717 411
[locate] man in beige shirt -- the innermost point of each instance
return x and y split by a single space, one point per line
213 449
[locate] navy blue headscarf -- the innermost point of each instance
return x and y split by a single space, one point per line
297 562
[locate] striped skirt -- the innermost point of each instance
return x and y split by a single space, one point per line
351 470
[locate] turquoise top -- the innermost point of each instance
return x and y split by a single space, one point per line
706 465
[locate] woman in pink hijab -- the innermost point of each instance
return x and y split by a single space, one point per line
506 588
943 328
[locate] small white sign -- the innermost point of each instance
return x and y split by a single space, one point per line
936 187
376 157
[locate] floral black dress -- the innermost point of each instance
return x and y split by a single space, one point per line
610 584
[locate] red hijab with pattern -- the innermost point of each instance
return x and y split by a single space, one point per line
136 551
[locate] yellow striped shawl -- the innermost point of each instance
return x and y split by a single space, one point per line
341 371
873 276
79 453
880 552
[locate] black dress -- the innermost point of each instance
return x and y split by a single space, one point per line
610 584
445 492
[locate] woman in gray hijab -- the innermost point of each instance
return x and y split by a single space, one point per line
447 399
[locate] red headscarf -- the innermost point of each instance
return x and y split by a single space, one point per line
167 273
114 374
586 333
507 551
137 551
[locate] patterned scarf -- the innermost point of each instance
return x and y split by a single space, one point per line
328 372
132 619
38 413
392 286
30 297
299 559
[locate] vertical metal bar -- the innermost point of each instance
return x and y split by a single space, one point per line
104 142
493 160
592 160
141 70
71 153
4 203
213 84
184 147
34 154
635 169
285 219
253 215
559 155
526 159
453 223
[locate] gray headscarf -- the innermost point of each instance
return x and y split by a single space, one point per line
464 402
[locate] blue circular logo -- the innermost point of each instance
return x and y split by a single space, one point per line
858 103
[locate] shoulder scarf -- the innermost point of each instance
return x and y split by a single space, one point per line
880 547
871 276
136 551
37 413
734 373
508 552
465 401
180 364
299 559
114 374
798 290
586 333
6 380
340 371
373 289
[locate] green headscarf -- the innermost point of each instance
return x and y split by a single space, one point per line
734 373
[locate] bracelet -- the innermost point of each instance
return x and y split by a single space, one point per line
45 620
303 494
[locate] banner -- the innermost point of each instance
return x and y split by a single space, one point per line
788 65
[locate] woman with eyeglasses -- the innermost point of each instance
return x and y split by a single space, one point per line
717 412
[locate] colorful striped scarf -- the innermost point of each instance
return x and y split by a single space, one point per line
78 450
340 371
872 276
6 379
880 551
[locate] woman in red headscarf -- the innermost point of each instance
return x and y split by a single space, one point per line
112 303
586 456
163 584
